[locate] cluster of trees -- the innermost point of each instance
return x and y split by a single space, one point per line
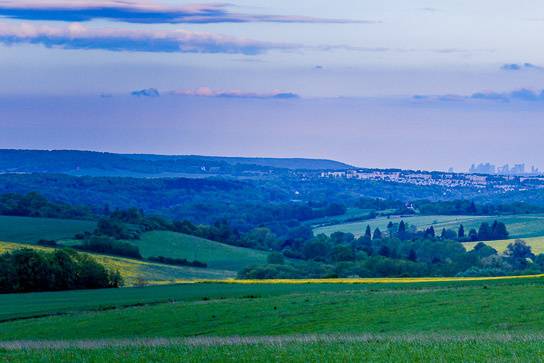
344 256
27 270
401 250
486 232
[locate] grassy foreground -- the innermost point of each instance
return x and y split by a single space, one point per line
320 349
511 306
440 321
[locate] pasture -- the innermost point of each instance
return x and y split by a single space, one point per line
519 226
31 230
216 255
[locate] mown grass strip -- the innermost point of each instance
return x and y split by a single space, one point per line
268 340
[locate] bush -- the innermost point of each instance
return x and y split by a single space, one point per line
27 270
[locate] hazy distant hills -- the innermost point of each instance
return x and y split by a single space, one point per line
148 165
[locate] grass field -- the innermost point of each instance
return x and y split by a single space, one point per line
461 321
31 230
136 272
519 226
216 255
536 243
508 306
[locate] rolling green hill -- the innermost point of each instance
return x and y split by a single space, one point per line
519 226
216 255
31 230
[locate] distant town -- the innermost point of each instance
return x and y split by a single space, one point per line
501 183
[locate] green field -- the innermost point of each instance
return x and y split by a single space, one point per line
536 243
31 230
216 255
519 226
439 321
500 307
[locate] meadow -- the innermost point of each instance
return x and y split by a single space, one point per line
31 230
519 226
216 255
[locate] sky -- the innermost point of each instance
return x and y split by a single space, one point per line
418 84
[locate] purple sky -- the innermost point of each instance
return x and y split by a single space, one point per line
475 67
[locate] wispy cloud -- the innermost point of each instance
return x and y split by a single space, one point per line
520 67
209 92
517 95
523 94
77 36
143 12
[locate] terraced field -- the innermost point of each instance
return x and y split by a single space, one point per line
216 255
519 226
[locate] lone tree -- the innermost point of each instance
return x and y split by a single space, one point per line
461 232
368 233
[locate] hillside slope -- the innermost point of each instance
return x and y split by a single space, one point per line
216 255
31 230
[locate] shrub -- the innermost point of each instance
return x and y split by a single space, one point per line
27 270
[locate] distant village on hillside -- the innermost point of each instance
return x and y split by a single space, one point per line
499 182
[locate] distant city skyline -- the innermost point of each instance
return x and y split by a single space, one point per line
505 169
